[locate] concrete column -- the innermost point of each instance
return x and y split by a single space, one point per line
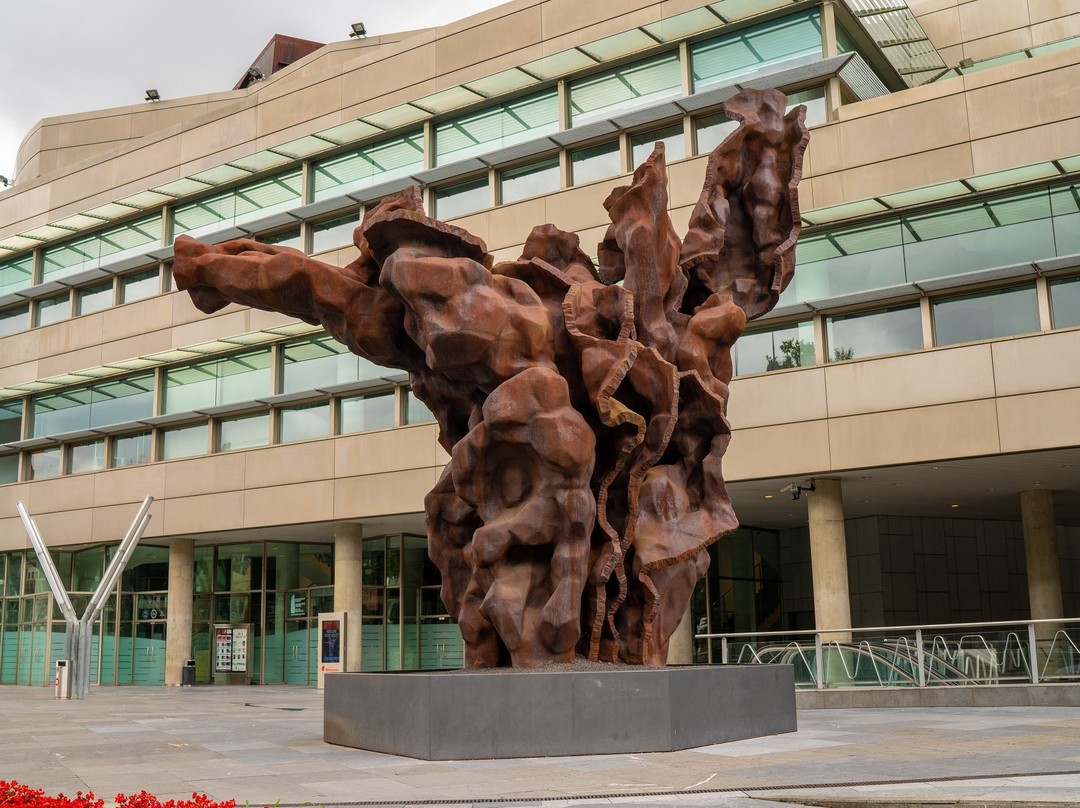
828 558
181 601
348 576
1041 552
681 643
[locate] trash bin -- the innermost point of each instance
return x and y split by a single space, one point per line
187 675
63 679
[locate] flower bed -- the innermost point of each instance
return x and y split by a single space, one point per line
16 795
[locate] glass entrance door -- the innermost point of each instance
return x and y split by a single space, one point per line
149 661
299 646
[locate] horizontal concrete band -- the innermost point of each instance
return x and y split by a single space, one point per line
508 713
1049 695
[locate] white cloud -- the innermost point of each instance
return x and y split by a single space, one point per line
61 57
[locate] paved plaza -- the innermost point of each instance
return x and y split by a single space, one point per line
261 745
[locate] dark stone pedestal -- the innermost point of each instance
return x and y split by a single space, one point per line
506 714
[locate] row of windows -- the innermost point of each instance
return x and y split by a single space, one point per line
326 416
965 318
1017 228
245 380
596 162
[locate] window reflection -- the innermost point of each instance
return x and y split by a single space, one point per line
245 432
595 163
185 441
873 333
988 315
459 200
1065 298
530 180
673 139
305 422
788 346
367 412
131 450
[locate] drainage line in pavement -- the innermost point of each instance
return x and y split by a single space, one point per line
673 792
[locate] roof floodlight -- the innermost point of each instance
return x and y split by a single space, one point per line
255 74
153 95
358 30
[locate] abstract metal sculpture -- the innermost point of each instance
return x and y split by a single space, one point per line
584 407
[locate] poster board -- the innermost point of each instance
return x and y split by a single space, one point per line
230 652
332 646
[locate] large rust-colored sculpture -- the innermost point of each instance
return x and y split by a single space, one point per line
584 407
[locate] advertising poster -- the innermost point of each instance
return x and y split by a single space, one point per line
223 650
331 641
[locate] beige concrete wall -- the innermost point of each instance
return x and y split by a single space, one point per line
946 403
981 29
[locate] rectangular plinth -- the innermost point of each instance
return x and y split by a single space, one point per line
506 713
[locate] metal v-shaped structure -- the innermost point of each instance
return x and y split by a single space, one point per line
79 637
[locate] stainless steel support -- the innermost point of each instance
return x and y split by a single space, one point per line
1033 653
819 663
920 657
80 631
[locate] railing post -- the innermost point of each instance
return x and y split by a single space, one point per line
818 663
1033 653
723 650
919 657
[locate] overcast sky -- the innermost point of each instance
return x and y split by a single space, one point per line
64 56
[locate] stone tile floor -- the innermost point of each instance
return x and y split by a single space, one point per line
261 745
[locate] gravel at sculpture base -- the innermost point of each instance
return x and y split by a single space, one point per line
584 406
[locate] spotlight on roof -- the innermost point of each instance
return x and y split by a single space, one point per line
358 30
153 95
4 181
255 74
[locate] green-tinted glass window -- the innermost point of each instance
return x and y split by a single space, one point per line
45 463
305 422
246 432
462 199
315 362
9 468
1064 297
139 286
243 377
672 137
16 273
814 99
53 309
595 163
89 569
847 260
283 238
1065 204
108 402
242 204
874 333
369 165
531 180
106 247
95 298
711 131
11 421
416 411
12 321
316 566
118 400
88 456
147 570
362 413
787 346
131 450
495 127
14 574
791 40
185 441
614 91
204 565
988 315
334 233
238 567
1009 230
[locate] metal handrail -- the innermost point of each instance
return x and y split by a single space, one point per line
971 658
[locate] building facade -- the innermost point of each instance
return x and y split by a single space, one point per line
920 378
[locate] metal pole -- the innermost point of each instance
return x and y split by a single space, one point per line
116 566
1033 653
818 662
724 653
52 575
920 657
